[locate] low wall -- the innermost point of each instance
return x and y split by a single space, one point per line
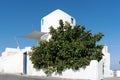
14 64
117 73
93 72
90 72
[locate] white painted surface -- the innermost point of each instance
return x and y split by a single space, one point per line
12 59
100 70
14 64
53 18
10 51
106 63
32 71
117 74
90 72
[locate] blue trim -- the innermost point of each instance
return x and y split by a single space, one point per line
25 63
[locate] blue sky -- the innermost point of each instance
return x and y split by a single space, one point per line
18 16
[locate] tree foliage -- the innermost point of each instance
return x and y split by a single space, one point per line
70 47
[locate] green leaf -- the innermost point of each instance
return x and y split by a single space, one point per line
70 47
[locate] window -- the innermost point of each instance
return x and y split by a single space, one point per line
72 20
42 21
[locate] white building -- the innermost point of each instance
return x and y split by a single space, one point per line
17 63
12 60
53 18
15 60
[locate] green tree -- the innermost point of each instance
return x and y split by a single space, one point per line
70 47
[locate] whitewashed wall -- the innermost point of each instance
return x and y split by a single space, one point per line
106 61
53 18
100 70
11 60
12 64
90 72
117 74
32 71
93 72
